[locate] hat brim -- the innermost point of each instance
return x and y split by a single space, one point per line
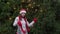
22 12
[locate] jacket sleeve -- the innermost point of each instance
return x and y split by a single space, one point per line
15 22
30 24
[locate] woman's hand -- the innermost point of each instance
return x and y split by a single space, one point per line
35 20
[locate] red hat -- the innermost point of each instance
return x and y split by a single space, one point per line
22 11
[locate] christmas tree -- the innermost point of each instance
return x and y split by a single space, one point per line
43 10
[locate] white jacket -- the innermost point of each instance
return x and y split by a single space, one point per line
23 25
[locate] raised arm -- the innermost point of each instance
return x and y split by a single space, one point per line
15 22
31 24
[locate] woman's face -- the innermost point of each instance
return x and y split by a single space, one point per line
22 14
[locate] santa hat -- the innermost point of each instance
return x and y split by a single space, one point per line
22 11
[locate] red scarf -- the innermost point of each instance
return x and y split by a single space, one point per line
19 23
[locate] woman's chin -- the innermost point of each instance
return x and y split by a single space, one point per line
23 16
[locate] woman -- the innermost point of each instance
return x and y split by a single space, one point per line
22 23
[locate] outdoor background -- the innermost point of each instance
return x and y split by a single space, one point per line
46 11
